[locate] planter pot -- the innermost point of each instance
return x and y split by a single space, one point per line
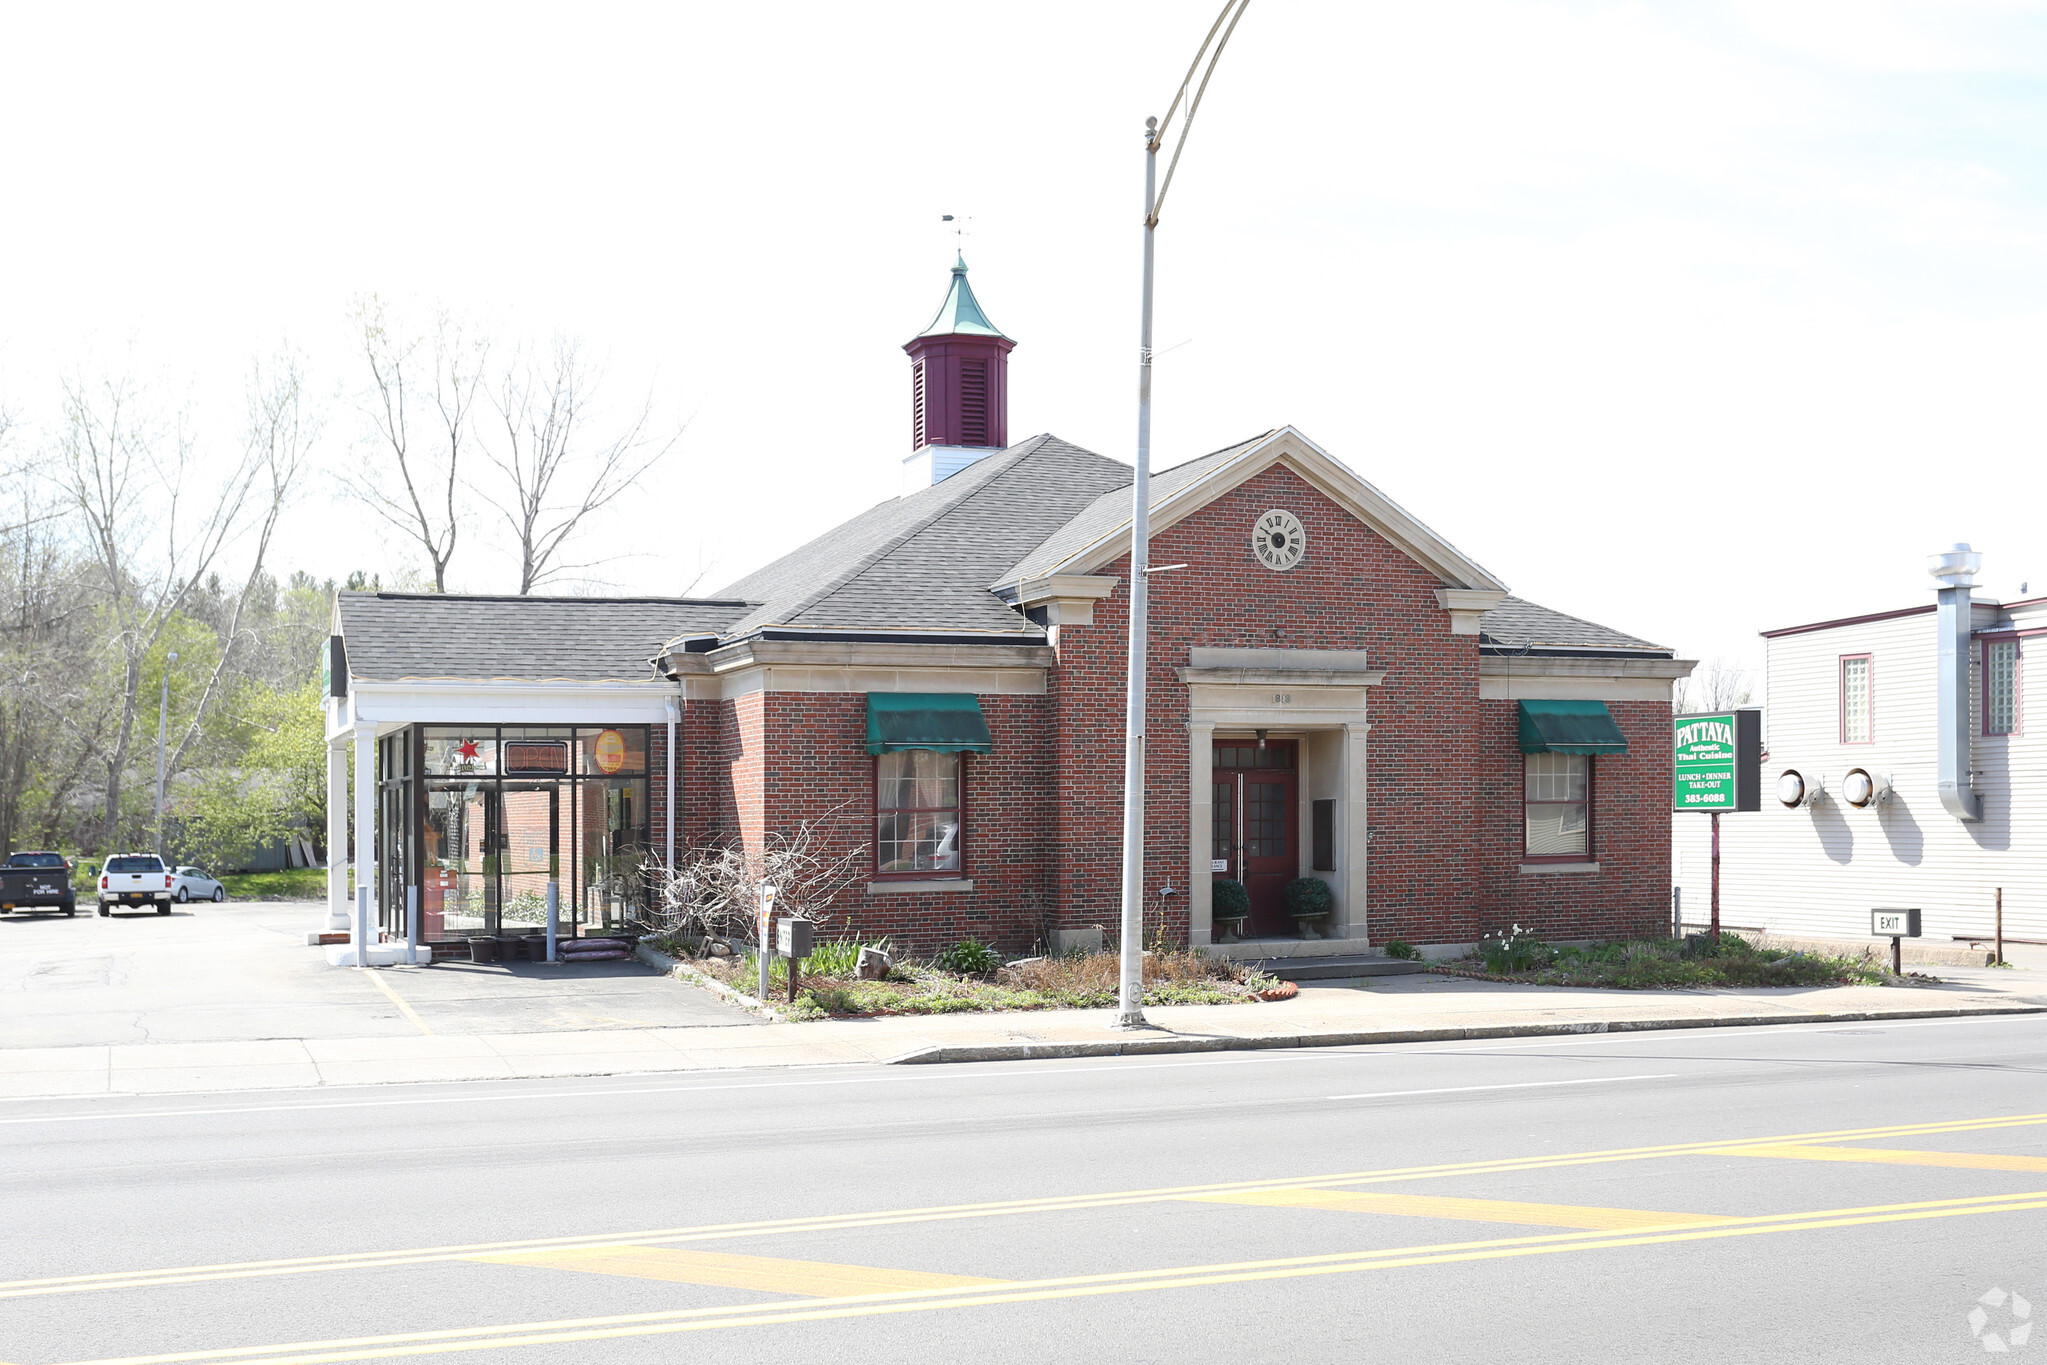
483 950
1304 925
1232 929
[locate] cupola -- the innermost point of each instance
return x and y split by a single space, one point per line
959 388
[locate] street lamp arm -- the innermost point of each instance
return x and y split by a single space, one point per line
1194 107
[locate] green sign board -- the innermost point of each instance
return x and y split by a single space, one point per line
1717 761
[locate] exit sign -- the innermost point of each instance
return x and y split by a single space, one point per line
1894 924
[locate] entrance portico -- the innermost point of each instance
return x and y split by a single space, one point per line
1314 700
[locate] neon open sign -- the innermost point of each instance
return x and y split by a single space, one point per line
546 757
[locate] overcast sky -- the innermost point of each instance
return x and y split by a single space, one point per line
1693 319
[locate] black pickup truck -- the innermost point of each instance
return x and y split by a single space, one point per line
37 881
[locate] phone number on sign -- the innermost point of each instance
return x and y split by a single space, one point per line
1706 799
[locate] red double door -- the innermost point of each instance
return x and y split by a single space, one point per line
1256 837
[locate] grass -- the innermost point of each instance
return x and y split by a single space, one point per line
829 987
291 884
1663 964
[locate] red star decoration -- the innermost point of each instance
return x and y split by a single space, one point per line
466 750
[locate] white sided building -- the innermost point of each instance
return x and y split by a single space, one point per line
1904 765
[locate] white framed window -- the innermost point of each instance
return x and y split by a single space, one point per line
918 810
2000 687
1557 807
1857 712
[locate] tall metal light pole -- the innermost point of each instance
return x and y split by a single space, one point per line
1130 986
163 720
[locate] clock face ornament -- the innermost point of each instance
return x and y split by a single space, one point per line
1278 541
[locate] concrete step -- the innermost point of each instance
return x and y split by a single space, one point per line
1336 968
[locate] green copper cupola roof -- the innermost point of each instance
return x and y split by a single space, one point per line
960 314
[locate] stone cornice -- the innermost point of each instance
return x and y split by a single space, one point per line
1540 666
857 654
1467 606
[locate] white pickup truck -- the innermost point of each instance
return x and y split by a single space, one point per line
135 879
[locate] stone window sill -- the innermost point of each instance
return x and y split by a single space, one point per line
905 888
1553 869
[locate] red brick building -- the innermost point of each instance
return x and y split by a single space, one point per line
1335 692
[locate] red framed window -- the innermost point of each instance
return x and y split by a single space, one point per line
2002 714
1858 699
920 814
1557 808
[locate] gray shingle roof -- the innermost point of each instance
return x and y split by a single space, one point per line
1112 510
392 636
1516 626
924 562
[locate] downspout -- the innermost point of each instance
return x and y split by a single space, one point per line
674 719
1956 570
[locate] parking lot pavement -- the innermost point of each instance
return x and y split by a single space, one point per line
242 971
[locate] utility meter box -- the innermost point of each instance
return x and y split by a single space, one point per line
794 937
1882 923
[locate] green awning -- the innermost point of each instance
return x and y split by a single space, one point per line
1570 727
950 721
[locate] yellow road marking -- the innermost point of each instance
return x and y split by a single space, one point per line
1469 1210
769 1274
300 1265
408 1011
1978 1161
495 1337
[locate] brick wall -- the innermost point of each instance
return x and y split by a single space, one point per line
1630 894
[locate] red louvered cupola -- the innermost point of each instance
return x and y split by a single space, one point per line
959 388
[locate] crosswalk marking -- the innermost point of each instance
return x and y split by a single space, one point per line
1466 1210
1975 1161
767 1274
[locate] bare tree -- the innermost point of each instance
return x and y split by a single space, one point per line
280 435
1717 685
414 485
150 537
715 893
555 475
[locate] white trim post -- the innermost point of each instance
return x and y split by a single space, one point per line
338 904
1353 818
365 822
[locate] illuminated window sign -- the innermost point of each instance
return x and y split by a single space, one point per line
536 758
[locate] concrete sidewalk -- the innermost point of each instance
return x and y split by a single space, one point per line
1384 1010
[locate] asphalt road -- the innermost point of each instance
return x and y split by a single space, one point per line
1776 1194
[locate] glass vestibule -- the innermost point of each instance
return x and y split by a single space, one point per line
497 814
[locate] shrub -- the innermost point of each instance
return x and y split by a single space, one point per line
1229 900
969 957
1309 896
1401 948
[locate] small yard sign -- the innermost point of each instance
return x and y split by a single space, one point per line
1718 761
1894 924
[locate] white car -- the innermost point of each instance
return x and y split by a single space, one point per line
192 884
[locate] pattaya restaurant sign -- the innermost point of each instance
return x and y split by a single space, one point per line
1717 761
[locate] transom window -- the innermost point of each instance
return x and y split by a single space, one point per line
1253 756
917 812
2001 687
1557 804
1855 699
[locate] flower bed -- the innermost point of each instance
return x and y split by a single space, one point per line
829 986
1663 964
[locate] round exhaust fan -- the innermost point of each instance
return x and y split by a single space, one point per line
1862 788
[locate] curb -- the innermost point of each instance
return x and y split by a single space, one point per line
1137 1047
682 971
